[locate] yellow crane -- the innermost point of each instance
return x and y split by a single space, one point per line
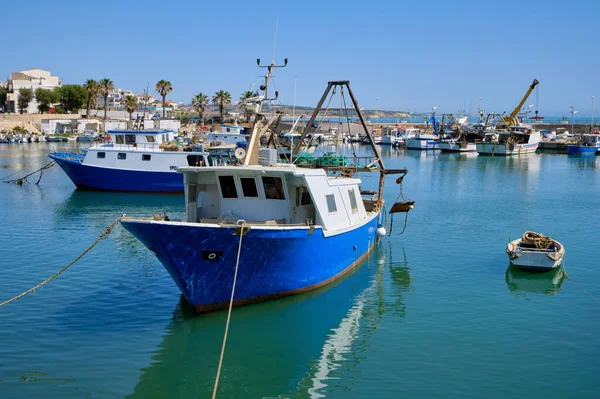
511 120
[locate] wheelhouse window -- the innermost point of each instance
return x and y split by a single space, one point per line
119 139
249 187
150 139
273 187
130 139
228 189
101 155
353 203
331 207
146 157
302 196
121 155
195 160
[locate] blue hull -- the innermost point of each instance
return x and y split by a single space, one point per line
107 179
580 149
273 262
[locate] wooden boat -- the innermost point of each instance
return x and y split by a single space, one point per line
535 252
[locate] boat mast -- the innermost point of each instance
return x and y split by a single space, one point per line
369 168
260 124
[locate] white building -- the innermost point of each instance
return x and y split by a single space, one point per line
145 100
31 79
54 126
115 100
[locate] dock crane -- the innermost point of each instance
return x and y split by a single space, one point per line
511 120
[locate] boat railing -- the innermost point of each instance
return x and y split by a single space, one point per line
138 147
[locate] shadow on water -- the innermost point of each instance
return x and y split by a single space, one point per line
519 281
82 202
289 347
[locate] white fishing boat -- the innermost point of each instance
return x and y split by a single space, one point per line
457 145
535 252
423 142
228 135
515 140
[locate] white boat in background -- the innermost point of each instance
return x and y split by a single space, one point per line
535 252
423 142
516 140
456 145
229 135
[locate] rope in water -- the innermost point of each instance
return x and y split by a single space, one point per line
578 286
242 224
102 236
21 180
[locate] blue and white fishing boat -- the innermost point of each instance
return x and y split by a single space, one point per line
281 229
132 160
229 135
425 141
589 144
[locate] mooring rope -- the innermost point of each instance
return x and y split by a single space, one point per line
102 236
242 224
21 180
578 286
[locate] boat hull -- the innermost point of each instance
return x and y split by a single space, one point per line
535 259
580 149
415 144
89 177
274 261
458 147
504 149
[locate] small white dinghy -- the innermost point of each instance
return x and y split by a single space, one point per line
535 252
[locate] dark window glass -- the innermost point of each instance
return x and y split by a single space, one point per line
273 187
228 189
146 157
249 187
130 139
120 139
305 198
121 155
101 155
150 139
353 203
195 160
331 207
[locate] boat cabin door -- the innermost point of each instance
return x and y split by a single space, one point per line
303 209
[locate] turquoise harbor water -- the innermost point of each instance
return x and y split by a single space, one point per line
435 312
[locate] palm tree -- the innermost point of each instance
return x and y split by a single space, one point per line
222 98
131 105
200 102
92 88
105 86
246 95
163 87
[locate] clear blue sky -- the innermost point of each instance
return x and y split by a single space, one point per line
408 54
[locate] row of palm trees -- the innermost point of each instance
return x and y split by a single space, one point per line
105 86
221 98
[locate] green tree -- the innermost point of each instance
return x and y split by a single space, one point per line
106 85
246 95
222 98
200 102
3 93
72 97
131 104
45 98
92 88
163 87
25 97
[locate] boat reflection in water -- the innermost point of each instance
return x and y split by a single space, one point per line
548 283
288 347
